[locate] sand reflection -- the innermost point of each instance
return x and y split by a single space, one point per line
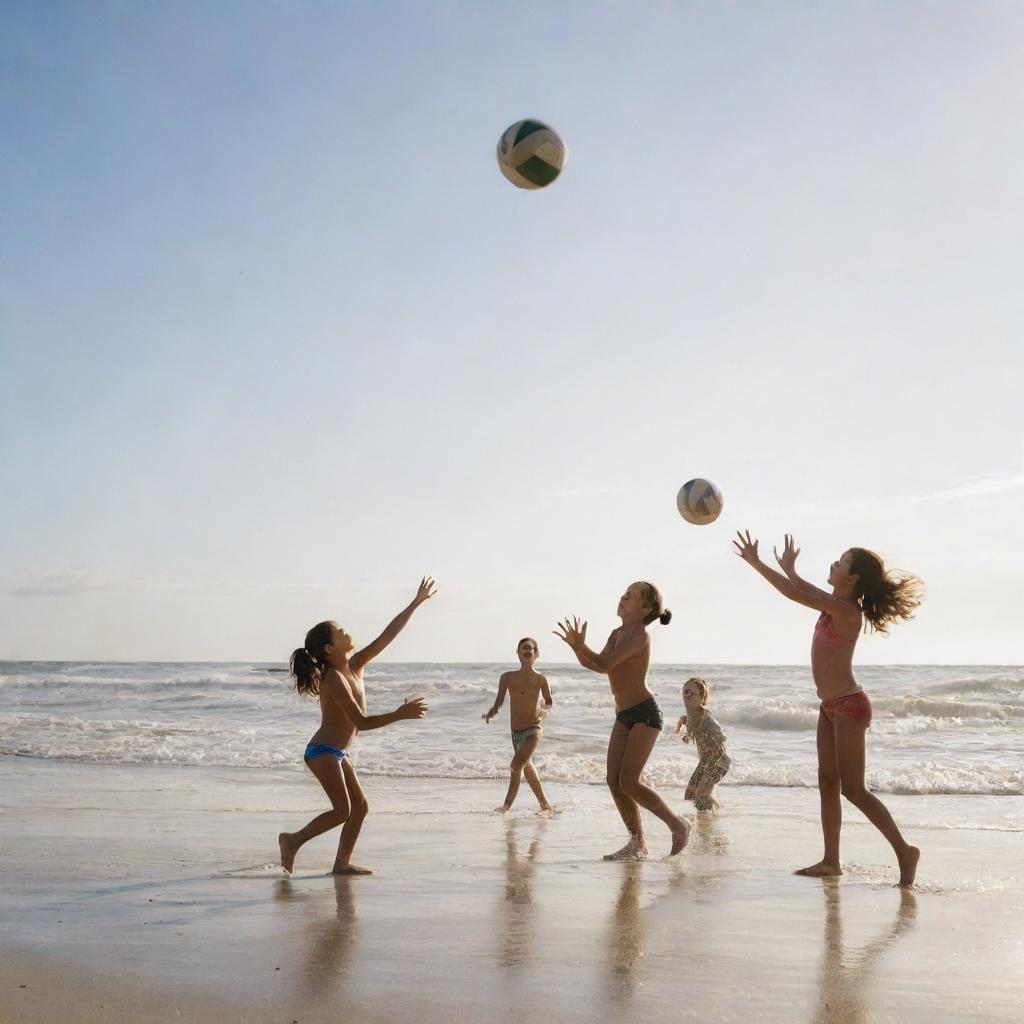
331 937
521 858
847 982
625 939
709 835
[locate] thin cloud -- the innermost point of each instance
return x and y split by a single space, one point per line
65 583
72 582
226 584
573 493
993 485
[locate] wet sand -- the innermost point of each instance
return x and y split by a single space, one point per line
154 894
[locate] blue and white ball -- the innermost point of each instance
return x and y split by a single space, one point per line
530 154
699 502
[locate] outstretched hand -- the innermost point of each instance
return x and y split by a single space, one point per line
414 708
746 547
787 560
573 632
426 590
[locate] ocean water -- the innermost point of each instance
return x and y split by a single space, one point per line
937 729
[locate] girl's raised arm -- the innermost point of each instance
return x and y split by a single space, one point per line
574 634
787 562
793 587
408 709
361 658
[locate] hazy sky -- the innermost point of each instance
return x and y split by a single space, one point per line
277 338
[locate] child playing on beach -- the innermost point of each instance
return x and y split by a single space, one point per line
625 659
863 590
525 688
325 667
709 739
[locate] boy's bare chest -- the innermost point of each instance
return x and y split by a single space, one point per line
524 689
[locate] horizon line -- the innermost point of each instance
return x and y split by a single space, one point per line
555 664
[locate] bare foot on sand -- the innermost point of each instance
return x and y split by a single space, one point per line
680 837
350 869
821 870
284 841
635 849
908 866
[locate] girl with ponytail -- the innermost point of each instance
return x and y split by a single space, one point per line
325 667
638 719
865 595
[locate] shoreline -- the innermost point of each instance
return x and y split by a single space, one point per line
297 771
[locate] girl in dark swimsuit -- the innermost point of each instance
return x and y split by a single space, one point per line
638 719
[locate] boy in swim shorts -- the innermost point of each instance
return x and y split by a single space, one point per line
525 688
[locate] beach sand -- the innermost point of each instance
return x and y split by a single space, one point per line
153 894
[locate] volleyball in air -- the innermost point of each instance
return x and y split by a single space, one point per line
530 154
699 502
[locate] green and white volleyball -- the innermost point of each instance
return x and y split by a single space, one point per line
530 154
699 502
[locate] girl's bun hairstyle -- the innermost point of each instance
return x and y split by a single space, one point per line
652 599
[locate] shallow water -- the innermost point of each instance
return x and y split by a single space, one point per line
937 729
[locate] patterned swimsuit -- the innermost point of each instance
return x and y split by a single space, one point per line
520 736
713 764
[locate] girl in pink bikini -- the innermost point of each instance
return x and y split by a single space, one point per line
863 590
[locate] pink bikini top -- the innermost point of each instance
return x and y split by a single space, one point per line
826 636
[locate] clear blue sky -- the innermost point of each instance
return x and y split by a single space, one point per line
276 337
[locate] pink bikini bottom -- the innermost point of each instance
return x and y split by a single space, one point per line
853 705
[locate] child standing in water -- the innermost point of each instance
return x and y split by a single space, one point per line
709 739
325 667
625 660
525 688
863 590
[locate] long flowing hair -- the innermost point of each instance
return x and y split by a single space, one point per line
885 596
